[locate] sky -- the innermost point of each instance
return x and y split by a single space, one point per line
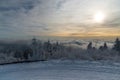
62 18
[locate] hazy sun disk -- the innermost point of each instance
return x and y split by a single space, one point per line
99 17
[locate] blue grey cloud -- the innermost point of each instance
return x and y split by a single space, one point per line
16 5
60 4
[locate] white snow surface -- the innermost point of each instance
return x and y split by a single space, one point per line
61 70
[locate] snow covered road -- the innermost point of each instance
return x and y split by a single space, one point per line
61 70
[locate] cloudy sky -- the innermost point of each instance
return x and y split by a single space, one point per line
81 18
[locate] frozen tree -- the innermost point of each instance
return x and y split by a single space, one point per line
105 47
89 46
34 48
48 47
101 48
117 45
55 46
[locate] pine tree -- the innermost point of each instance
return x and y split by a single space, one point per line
89 46
105 47
117 45
34 48
101 48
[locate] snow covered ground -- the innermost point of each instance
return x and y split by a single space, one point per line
61 70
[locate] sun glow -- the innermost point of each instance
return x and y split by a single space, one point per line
99 17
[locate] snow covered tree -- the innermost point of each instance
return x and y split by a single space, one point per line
89 46
27 53
34 47
105 47
117 45
48 46
101 48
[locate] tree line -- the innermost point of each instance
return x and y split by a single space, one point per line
38 50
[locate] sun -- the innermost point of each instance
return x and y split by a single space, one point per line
99 17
